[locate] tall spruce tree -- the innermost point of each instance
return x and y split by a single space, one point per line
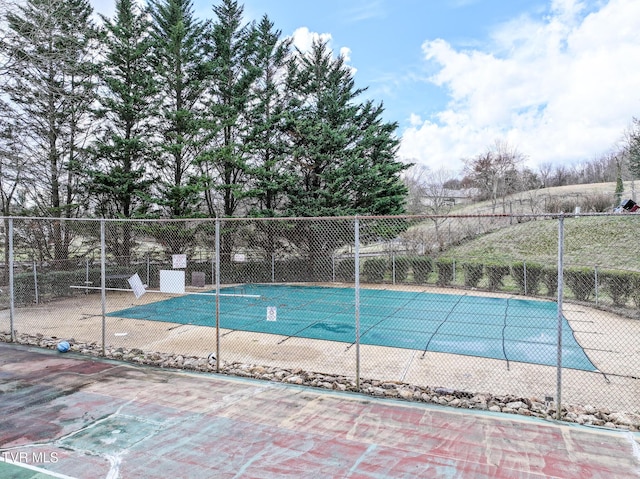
126 110
266 140
231 52
182 75
370 178
266 117
343 152
632 147
119 182
50 45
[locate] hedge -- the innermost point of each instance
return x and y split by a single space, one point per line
52 285
581 282
402 264
473 273
422 267
445 271
550 280
374 269
635 289
346 270
618 285
527 276
496 273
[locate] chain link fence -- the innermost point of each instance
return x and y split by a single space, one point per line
542 306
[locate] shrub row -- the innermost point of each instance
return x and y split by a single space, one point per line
51 285
528 278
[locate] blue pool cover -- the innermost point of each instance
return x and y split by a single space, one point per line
510 329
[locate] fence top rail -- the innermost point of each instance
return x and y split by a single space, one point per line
318 218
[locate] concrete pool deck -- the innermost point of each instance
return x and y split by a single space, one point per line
80 417
609 340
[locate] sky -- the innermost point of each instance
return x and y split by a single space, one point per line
557 80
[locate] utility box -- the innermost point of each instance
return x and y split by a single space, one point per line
197 279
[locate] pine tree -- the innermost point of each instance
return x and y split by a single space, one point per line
343 152
343 155
232 57
266 138
118 180
633 147
126 113
266 141
182 74
619 183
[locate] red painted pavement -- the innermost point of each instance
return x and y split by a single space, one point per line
103 419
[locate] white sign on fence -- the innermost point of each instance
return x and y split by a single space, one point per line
179 261
272 313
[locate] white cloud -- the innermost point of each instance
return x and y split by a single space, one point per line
345 52
560 89
303 38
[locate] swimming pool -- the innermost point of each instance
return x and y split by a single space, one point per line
511 329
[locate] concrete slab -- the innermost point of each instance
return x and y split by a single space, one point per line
72 416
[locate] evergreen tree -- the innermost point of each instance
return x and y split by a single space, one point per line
370 179
232 57
126 111
13 164
633 147
118 179
50 46
182 74
266 138
619 183
343 153
266 141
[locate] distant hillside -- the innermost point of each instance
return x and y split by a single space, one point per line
607 242
535 201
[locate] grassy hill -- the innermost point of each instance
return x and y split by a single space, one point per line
610 242
535 201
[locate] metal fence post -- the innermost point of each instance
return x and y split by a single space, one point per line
273 267
393 267
35 282
595 273
86 275
217 279
333 267
524 272
357 298
12 306
103 284
453 274
560 298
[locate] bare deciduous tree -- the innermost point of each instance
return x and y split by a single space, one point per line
414 179
47 53
428 194
495 171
